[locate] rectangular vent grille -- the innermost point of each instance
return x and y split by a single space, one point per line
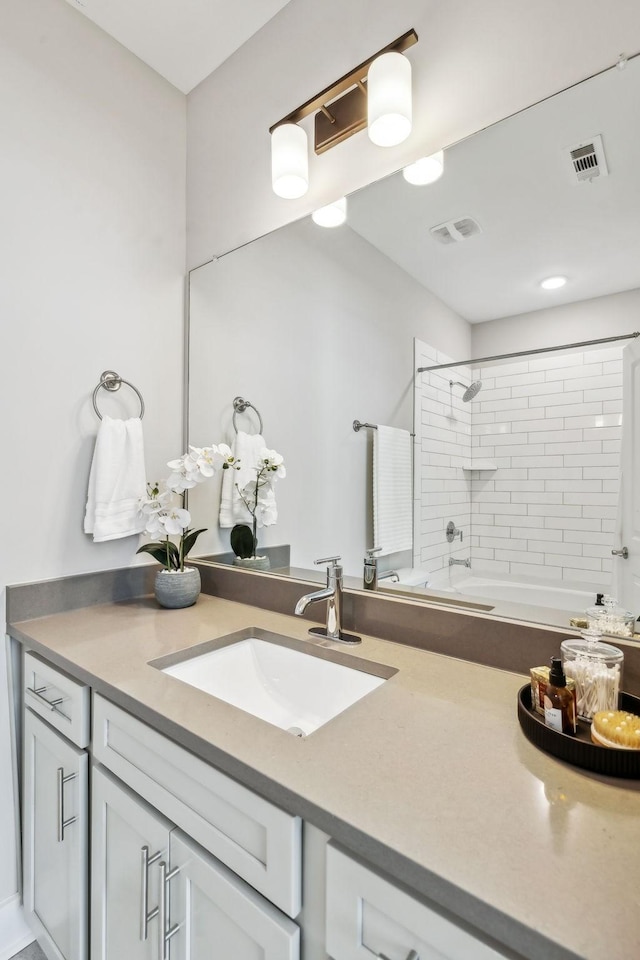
588 161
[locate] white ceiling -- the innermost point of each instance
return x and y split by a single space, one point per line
515 179
182 40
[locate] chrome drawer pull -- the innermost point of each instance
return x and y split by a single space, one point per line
62 823
164 934
52 704
146 915
411 956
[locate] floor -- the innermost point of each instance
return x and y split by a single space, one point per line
32 952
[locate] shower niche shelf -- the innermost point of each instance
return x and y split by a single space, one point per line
479 464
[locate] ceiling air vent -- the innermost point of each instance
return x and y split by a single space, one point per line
588 160
455 231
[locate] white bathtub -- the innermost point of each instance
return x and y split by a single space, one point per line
514 591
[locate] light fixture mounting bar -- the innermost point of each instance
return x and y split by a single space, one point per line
349 114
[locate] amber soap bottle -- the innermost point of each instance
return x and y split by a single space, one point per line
559 702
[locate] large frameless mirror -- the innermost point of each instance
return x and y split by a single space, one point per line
319 327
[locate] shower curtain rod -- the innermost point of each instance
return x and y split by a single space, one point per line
528 353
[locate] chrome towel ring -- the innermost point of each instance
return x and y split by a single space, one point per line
239 406
111 381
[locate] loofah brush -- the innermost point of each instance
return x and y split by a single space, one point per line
616 728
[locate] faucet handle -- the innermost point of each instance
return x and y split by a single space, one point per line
371 552
333 561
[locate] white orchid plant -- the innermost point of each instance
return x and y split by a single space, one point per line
164 504
259 498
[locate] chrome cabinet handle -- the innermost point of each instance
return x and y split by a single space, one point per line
165 935
62 823
412 955
624 553
146 915
52 704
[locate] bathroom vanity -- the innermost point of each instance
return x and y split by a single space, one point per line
418 822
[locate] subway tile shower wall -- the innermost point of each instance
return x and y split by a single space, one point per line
548 431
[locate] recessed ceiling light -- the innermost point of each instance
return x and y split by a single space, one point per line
553 283
425 170
333 215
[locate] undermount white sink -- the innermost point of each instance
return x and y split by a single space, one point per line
286 685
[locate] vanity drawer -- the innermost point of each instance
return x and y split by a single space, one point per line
61 701
368 916
257 840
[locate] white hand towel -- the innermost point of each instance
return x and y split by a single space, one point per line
247 449
392 490
117 481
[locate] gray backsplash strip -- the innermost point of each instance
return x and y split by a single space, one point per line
467 636
28 600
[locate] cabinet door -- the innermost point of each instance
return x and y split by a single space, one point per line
129 841
214 913
55 840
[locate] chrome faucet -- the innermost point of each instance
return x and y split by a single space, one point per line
370 575
459 563
333 595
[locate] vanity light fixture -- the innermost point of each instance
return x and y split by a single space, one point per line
389 100
289 161
376 93
332 215
425 170
553 283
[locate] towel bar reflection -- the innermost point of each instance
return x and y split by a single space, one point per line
359 426
239 406
112 381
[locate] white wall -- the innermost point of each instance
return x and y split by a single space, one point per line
572 323
91 277
475 63
315 327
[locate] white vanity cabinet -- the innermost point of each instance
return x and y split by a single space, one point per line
368 916
163 822
55 813
157 895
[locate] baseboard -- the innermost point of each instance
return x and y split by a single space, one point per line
14 932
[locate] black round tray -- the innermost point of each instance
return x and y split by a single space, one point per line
580 750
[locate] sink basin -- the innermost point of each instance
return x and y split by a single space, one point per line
286 682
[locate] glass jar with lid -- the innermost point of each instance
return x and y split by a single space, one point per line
596 669
611 619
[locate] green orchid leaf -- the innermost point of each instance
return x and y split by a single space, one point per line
165 552
242 541
189 540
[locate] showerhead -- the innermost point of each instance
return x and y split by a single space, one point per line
470 391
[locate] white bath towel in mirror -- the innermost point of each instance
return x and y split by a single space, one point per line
392 490
246 448
117 481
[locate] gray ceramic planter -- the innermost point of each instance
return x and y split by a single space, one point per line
180 588
253 563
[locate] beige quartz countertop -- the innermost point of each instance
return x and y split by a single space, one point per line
429 778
